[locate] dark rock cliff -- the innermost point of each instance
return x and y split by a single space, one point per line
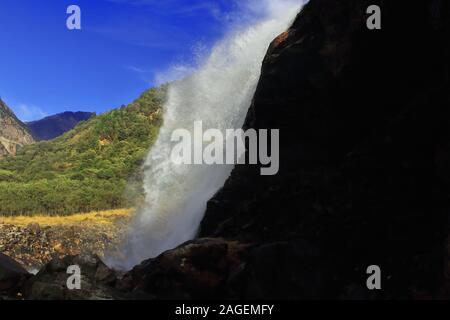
364 119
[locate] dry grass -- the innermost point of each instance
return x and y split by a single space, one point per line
98 218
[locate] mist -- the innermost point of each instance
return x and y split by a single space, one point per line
218 91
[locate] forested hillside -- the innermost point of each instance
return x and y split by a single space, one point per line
95 166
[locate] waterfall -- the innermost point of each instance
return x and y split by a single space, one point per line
218 92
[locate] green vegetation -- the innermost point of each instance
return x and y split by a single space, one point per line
95 166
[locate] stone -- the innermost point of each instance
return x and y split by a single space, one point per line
12 274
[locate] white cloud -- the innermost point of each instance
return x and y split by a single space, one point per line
143 74
28 112
176 72
181 7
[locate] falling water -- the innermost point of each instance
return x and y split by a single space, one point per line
219 93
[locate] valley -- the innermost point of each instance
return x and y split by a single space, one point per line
66 180
95 166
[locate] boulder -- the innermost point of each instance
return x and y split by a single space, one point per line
50 283
200 268
12 275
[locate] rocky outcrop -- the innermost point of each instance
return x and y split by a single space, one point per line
13 133
51 283
199 269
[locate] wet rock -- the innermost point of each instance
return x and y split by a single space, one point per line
196 269
51 281
12 275
212 268
105 275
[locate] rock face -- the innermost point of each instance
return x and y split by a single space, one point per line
364 123
56 125
13 133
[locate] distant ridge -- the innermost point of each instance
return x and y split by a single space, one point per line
53 126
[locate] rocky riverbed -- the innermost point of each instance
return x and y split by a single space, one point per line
36 243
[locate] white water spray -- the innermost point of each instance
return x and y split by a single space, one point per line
219 93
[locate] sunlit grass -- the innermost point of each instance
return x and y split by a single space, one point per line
95 217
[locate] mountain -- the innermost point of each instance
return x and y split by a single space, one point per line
13 133
95 166
53 126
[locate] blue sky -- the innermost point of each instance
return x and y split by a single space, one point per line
122 47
